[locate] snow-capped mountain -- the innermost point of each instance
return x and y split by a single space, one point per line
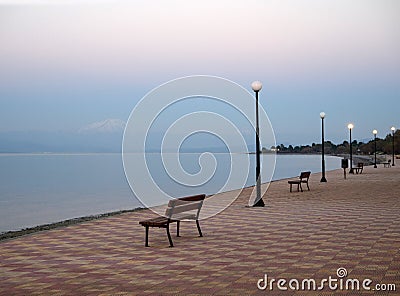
105 126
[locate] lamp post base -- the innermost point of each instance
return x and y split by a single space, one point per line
375 166
351 171
259 203
323 179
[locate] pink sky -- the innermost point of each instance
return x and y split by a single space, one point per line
314 52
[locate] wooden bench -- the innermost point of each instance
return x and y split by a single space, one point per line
184 208
359 168
387 164
304 176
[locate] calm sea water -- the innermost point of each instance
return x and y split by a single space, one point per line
44 188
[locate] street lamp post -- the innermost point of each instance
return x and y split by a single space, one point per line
256 86
350 126
375 132
393 130
323 179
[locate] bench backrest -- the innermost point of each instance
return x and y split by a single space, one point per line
304 176
185 205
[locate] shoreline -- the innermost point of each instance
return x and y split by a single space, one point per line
11 234
8 235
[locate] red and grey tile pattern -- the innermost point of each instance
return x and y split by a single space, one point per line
353 223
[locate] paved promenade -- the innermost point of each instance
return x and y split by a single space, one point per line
352 224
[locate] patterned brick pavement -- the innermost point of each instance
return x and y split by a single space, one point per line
353 223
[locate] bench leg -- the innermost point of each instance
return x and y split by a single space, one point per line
198 228
290 187
169 237
299 185
308 187
147 237
177 228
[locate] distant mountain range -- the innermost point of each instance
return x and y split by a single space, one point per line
103 136
105 126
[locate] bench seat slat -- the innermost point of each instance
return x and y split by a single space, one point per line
294 182
161 221
157 221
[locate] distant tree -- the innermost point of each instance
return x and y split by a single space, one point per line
367 148
341 149
330 148
306 149
383 145
317 148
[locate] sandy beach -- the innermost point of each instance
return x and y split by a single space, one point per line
353 224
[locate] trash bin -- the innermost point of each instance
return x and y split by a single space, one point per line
345 163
